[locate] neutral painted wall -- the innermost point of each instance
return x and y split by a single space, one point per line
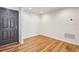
56 23
29 24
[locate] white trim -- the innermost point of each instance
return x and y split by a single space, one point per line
30 36
21 41
62 40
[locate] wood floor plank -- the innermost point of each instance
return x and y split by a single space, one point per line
41 43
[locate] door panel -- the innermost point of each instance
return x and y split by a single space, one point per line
8 26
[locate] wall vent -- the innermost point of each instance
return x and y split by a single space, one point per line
69 35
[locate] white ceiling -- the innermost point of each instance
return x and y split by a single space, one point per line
40 10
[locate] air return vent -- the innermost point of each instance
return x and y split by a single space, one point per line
69 35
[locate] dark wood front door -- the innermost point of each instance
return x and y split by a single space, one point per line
8 26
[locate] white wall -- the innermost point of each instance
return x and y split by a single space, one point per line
56 23
29 24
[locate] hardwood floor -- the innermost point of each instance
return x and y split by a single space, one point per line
40 44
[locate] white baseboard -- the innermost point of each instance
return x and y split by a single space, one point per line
27 36
30 36
21 42
62 40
